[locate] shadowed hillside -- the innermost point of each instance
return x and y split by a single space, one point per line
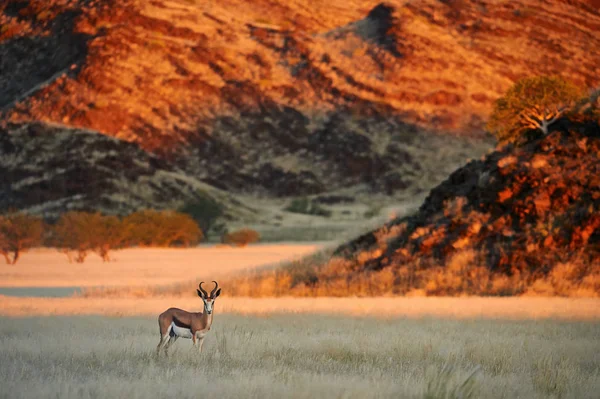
521 220
48 170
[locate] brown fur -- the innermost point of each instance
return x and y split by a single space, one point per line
195 321
198 323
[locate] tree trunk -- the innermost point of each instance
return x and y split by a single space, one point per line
544 127
103 252
6 257
81 256
16 256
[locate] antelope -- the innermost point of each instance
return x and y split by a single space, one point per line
175 323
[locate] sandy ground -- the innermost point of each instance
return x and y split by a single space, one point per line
145 266
417 307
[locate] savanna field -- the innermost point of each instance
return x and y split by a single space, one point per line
301 356
90 345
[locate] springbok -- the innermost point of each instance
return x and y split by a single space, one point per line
174 323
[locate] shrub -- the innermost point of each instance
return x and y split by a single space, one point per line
161 229
77 232
19 232
305 206
84 232
110 235
205 211
531 104
241 238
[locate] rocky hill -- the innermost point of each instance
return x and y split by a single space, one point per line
50 169
283 98
520 220
516 203
159 72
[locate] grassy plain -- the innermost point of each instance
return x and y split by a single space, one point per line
301 356
376 347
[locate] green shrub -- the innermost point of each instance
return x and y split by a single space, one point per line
305 206
241 238
205 211
372 212
18 232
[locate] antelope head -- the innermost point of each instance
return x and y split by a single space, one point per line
208 300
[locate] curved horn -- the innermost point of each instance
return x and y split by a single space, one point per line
212 293
203 290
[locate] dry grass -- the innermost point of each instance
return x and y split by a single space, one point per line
301 356
518 308
464 274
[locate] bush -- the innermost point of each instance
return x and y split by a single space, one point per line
241 238
305 206
204 211
161 229
110 234
84 232
531 104
19 232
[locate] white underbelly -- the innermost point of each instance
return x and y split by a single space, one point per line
181 332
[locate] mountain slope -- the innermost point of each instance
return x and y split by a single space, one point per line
279 152
160 72
286 98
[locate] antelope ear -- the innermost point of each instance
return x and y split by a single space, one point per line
218 293
200 294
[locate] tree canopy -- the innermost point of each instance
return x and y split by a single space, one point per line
533 103
19 232
161 229
80 232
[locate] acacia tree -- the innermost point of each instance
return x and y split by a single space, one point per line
151 228
85 232
109 235
532 103
19 232
76 232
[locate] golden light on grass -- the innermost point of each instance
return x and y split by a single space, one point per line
413 307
